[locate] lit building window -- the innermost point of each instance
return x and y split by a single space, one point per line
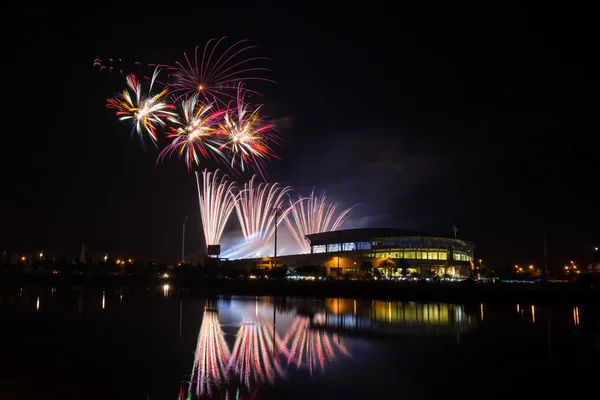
409 254
443 256
433 255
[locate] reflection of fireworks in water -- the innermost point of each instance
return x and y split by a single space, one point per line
216 204
252 358
215 73
314 214
255 206
309 348
212 355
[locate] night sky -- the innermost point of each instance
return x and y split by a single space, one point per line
427 115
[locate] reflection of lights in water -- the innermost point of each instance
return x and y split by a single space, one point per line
52 291
576 316
518 309
121 298
37 304
481 308
310 348
252 359
533 313
211 357
103 300
166 290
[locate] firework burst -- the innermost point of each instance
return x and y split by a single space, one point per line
214 73
217 202
248 139
255 207
309 348
146 113
313 214
211 357
195 138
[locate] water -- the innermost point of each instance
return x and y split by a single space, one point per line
163 343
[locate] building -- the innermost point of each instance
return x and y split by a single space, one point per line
393 252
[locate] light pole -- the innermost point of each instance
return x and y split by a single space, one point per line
183 241
546 253
276 211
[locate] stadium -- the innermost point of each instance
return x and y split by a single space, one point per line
393 252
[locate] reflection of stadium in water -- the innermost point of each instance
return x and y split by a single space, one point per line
389 317
310 340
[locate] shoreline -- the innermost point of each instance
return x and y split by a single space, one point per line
451 292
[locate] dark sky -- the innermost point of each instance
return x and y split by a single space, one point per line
426 114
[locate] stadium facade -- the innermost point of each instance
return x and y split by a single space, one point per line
393 252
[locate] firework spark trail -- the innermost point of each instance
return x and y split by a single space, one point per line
313 214
309 348
124 67
217 202
252 359
255 206
211 357
196 137
146 113
248 139
217 73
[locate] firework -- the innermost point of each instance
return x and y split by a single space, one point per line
146 113
216 201
215 73
313 214
123 67
252 359
309 348
211 357
247 138
255 207
194 139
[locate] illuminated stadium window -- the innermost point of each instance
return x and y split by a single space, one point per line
409 254
433 255
442 256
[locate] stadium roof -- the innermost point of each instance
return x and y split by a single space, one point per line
359 235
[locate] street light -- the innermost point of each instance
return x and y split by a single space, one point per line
276 211
183 240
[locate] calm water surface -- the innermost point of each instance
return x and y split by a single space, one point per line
167 343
